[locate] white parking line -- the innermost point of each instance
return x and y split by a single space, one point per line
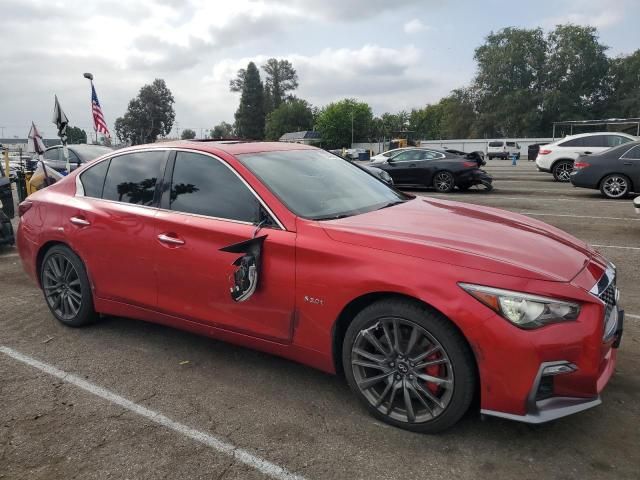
616 246
579 216
241 455
9 255
636 317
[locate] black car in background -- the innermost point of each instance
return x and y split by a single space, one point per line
78 154
615 172
439 169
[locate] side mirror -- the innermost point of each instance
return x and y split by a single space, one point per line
247 272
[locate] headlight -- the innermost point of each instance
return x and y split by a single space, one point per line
521 309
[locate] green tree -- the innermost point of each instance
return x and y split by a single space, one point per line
148 116
427 121
222 130
280 78
334 122
291 116
509 82
624 100
458 114
250 116
576 73
188 134
76 135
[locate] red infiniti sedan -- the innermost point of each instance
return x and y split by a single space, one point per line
421 303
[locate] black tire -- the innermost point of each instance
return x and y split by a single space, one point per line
68 295
615 186
561 170
490 157
488 186
444 182
408 316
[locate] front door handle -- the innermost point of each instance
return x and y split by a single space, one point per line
81 222
627 163
164 238
412 165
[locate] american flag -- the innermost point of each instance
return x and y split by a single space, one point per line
99 123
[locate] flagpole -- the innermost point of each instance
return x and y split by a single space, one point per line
89 76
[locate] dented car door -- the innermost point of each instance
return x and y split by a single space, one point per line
233 273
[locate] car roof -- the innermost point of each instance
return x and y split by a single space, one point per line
591 134
232 147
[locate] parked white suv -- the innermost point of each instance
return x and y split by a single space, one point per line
558 157
503 149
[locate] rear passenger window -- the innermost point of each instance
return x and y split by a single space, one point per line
205 186
596 141
576 142
615 140
93 179
132 177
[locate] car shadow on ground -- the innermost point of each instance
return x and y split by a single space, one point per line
305 383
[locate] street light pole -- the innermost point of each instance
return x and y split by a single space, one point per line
89 76
351 128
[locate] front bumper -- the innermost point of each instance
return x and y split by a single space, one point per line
573 381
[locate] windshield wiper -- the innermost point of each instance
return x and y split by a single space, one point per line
333 217
391 204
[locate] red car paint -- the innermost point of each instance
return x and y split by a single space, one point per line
315 270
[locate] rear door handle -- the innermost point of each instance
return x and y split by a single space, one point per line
164 238
80 221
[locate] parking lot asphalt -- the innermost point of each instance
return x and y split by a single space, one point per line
200 408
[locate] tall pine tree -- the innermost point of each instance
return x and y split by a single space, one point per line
250 116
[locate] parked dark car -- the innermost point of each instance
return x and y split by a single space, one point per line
615 172
439 169
78 154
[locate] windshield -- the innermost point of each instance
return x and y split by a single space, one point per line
318 185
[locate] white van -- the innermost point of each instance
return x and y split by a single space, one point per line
503 149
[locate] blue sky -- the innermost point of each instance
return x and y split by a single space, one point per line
392 54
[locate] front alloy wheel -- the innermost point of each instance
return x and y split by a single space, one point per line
409 365
615 186
402 370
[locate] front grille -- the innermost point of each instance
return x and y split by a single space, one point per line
607 292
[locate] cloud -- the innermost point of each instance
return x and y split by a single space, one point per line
602 15
387 78
351 10
414 26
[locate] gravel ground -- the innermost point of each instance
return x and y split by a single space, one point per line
294 417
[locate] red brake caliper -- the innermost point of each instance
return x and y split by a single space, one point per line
434 371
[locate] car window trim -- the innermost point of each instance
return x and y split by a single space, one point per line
157 206
629 158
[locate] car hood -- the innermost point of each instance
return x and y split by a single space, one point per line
467 235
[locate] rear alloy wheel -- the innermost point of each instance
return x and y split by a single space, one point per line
66 287
444 182
562 170
409 365
615 186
